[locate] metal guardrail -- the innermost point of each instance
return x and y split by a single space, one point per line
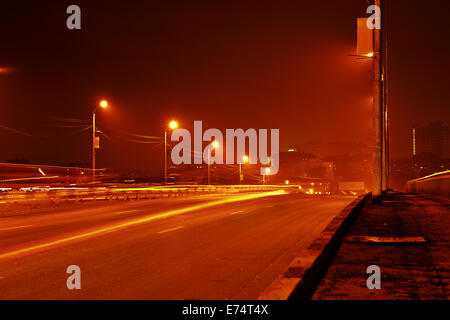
56 195
437 184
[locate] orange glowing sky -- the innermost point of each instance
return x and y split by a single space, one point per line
249 64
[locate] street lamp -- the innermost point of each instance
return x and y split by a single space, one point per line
95 140
214 145
104 104
267 171
241 175
172 125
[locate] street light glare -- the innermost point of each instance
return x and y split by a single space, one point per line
215 144
104 104
245 158
173 125
370 54
267 170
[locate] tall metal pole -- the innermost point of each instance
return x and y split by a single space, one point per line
209 168
378 113
386 96
384 149
93 146
385 172
387 153
165 157
240 173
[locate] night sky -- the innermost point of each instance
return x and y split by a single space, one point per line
232 64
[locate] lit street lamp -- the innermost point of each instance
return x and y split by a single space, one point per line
95 140
172 125
241 175
214 145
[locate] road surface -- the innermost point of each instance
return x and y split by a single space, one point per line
208 247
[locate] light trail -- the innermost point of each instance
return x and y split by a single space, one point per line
127 211
14 228
170 230
31 178
130 223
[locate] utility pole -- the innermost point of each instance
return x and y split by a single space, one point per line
384 115
386 103
165 157
385 137
93 146
209 168
214 145
387 152
240 173
96 142
172 125
378 110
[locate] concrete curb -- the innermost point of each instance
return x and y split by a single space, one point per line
305 272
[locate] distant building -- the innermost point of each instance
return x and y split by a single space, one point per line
431 139
354 167
306 170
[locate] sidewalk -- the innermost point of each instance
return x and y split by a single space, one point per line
410 269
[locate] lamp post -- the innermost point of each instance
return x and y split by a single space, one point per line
95 141
267 171
172 125
378 107
241 175
214 145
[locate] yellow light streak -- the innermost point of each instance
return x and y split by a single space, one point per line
119 226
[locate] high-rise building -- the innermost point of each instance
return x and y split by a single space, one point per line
431 139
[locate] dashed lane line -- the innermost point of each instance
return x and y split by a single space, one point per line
14 228
170 230
127 211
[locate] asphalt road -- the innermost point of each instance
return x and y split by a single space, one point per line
209 247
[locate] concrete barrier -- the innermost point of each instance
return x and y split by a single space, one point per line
436 184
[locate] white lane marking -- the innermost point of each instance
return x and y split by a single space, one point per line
237 212
19 227
127 211
169 230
